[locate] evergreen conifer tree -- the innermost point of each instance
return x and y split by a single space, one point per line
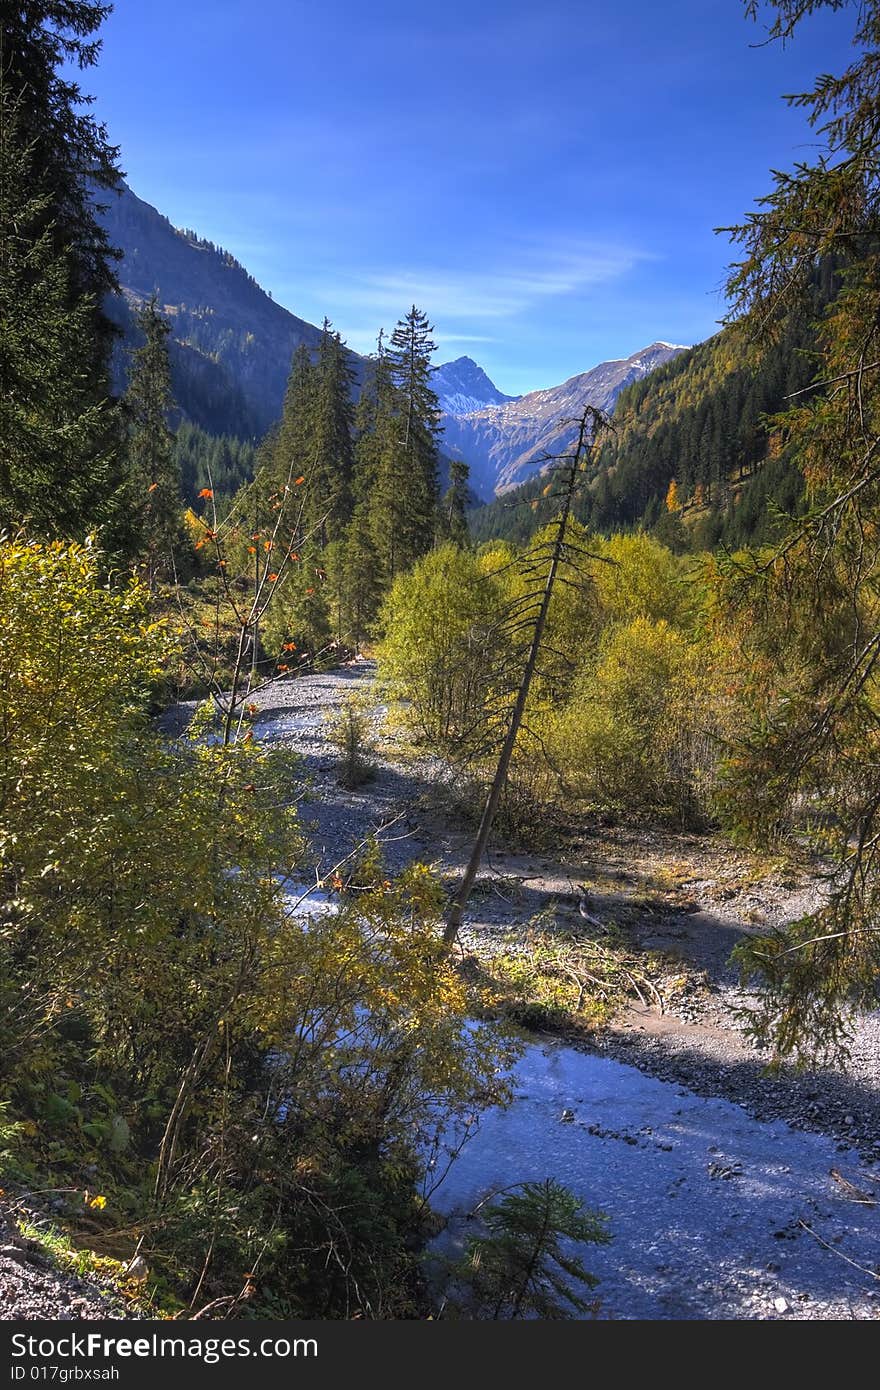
292 439
406 484
330 447
453 509
48 415
55 338
810 611
153 469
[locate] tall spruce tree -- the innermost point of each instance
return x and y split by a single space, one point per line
290 449
154 474
378 483
60 466
809 613
411 350
48 415
330 445
405 486
312 450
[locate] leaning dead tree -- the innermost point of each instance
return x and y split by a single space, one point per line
566 475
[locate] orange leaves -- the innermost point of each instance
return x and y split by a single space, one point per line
282 667
290 646
268 545
152 487
310 591
252 550
273 578
299 481
208 536
205 492
293 555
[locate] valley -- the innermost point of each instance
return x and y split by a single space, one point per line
439 823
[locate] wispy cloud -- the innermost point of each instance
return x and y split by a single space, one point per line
501 291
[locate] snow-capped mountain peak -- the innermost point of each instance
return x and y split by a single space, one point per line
464 387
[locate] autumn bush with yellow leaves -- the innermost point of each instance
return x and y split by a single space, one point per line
253 1091
626 712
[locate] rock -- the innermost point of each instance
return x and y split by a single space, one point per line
15 1252
567 1117
120 1134
781 1305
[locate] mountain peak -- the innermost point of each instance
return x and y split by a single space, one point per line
463 387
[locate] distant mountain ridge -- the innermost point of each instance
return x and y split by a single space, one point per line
231 347
504 444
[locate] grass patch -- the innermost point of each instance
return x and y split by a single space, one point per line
108 1273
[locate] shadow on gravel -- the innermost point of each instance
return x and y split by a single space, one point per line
820 1101
709 1209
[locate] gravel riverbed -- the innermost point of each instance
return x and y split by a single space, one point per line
732 1193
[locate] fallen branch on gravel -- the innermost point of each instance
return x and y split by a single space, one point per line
872 1273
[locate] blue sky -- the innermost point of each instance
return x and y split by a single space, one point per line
542 178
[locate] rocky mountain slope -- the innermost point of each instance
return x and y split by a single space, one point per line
231 344
505 444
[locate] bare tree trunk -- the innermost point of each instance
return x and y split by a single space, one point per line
460 902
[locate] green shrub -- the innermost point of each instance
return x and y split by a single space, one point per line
636 734
229 1076
351 730
443 645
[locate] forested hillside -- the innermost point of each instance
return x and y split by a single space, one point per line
230 343
700 421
